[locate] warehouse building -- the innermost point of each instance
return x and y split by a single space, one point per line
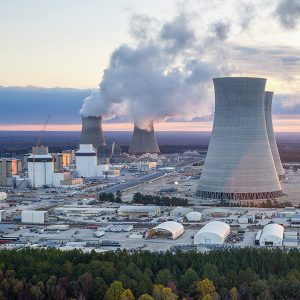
272 235
194 216
136 211
213 233
34 216
170 229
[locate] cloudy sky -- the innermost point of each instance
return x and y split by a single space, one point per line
150 55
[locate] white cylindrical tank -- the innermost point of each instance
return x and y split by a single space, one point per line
40 168
239 162
86 161
271 136
3 196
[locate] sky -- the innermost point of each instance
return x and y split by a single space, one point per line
54 53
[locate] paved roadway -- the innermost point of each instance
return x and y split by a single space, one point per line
148 177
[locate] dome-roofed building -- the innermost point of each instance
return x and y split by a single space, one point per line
272 235
193 216
214 232
170 229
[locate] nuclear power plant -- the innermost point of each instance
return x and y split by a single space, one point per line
271 136
143 141
239 164
92 131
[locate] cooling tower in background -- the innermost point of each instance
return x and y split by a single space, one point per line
271 136
91 132
239 163
143 141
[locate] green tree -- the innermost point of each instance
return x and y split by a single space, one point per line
205 287
127 295
145 297
167 294
115 291
118 196
164 276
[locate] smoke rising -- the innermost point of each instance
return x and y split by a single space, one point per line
288 12
165 72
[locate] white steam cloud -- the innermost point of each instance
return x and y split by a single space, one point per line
166 72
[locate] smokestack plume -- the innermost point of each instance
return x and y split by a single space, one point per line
271 136
92 131
143 140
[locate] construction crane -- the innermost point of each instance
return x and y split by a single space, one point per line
37 145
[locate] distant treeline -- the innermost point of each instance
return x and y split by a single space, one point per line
229 274
139 198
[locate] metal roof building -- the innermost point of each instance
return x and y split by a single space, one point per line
170 229
239 164
272 235
212 233
143 141
139 210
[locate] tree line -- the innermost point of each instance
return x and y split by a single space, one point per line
139 198
231 274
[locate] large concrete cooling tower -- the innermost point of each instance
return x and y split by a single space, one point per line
239 162
92 132
270 131
143 141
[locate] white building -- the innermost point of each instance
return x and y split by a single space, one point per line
168 229
3 196
193 216
34 216
213 233
86 160
135 211
59 177
40 167
272 235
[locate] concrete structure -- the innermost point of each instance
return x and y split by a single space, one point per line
136 211
143 141
58 161
34 216
169 229
3 196
272 235
213 233
239 163
271 136
193 216
91 132
8 168
40 167
86 160
2 215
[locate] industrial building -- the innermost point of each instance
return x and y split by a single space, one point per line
144 167
271 136
40 167
8 168
169 229
3 196
239 164
34 216
213 233
86 160
143 141
136 211
272 235
2 215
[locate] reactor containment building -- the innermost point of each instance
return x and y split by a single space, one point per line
143 141
239 164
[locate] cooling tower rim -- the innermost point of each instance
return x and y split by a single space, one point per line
239 78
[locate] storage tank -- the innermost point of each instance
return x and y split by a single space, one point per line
271 136
143 140
40 167
239 164
86 160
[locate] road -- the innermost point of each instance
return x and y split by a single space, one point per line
148 177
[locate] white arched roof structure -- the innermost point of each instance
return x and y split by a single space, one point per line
173 228
272 234
193 216
214 232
